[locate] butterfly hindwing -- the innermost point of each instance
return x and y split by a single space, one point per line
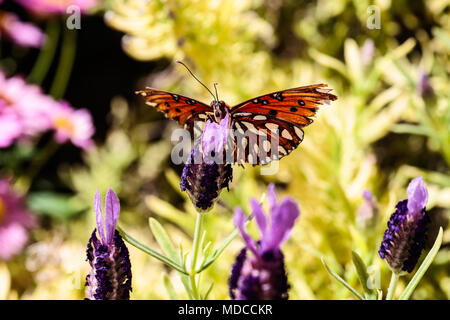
280 115
184 110
264 141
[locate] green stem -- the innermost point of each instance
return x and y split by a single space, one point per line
342 281
65 65
423 267
392 286
45 58
195 251
219 251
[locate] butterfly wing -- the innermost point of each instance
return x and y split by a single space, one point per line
184 110
278 116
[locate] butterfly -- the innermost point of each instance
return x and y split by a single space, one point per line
279 115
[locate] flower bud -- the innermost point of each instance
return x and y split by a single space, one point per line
405 236
110 276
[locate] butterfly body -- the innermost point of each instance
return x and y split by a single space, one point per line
220 110
277 116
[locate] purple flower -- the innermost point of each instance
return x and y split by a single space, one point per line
15 220
214 138
424 88
205 173
259 272
405 237
110 276
367 214
21 33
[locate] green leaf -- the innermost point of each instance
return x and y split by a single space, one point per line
363 276
412 129
169 249
169 288
169 212
441 35
163 239
205 296
328 61
52 204
423 267
151 252
342 281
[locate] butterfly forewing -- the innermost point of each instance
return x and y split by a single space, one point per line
278 117
184 110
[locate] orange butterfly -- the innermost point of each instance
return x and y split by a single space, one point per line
281 114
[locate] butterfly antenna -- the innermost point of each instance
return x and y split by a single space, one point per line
181 62
215 87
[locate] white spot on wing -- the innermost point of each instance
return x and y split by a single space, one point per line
256 148
286 134
239 128
271 126
298 132
260 117
323 90
250 159
250 127
266 145
243 114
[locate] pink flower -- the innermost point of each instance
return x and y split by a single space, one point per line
25 112
51 7
73 125
15 220
10 128
21 33
25 107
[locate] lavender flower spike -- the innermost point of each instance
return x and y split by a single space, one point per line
260 274
110 276
206 173
405 237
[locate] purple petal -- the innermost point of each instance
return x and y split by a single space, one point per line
99 216
417 196
271 196
214 137
260 218
368 196
282 221
224 124
112 209
239 219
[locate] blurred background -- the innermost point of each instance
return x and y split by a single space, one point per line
387 61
